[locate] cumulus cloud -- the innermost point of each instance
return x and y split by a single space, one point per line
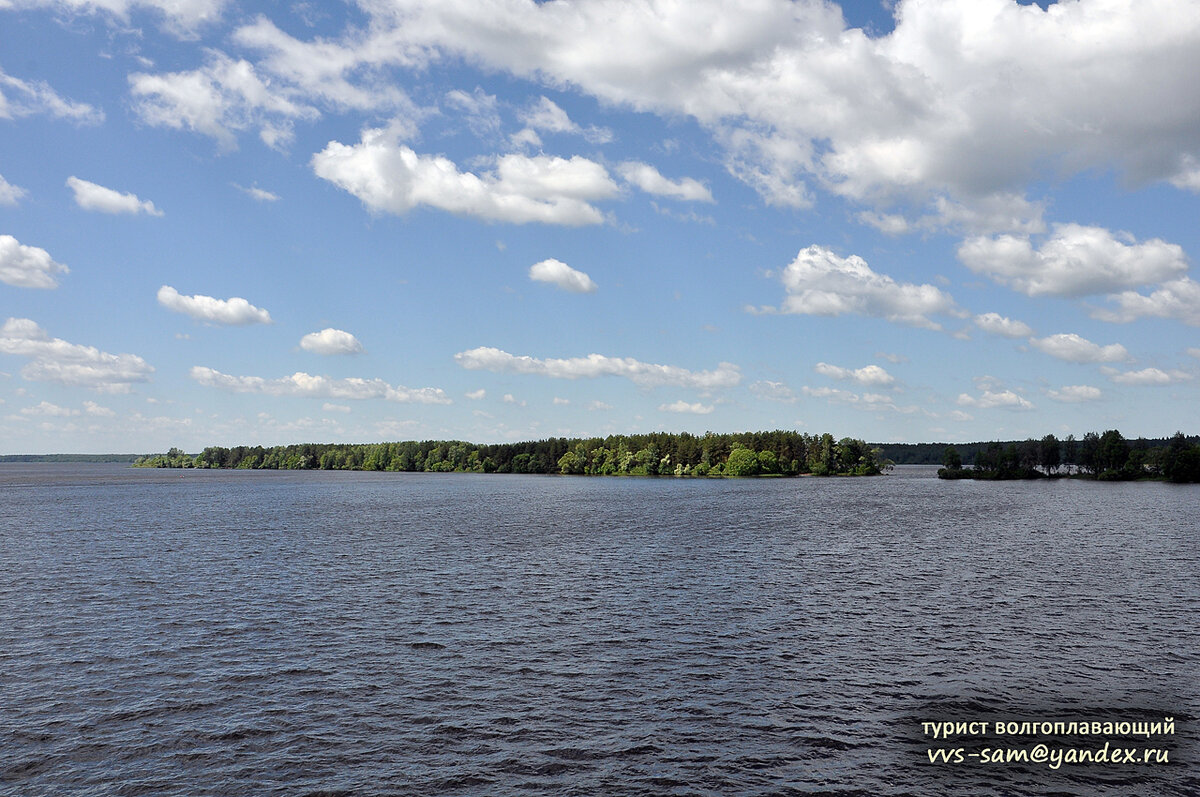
234 311
388 176
819 282
91 196
97 411
1074 261
594 365
545 115
19 98
27 266
867 375
310 386
218 100
56 360
989 399
45 408
648 179
996 324
773 391
558 273
9 193
476 395
1148 376
1178 299
345 74
963 100
1076 349
1075 394
331 341
180 16
682 406
871 402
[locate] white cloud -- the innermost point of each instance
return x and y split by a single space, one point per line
508 398
346 74
1178 299
1194 352
831 393
260 194
773 391
599 406
19 98
218 100
56 360
181 16
561 402
50 410
476 395
594 365
818 282
996 324
962 100
331 341
1075 349
27 266
867 375
525 138
309 386
682 406
388 176
1148 376
558 273
9 193
91 196
330 407
97 411
1188 176
989 399
1075 394
479 108
976 215
234 311
545 115
1075 261
648 179
869 402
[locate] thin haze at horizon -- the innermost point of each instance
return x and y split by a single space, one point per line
229 223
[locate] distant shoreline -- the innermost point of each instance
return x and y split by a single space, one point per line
76 458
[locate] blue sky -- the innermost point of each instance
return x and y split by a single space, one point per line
227 223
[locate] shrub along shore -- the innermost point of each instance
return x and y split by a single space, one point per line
778 453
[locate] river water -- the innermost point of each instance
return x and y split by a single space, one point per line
327 633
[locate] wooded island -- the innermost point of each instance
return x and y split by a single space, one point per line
1105 457
778 453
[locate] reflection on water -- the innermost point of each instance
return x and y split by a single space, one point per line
193 633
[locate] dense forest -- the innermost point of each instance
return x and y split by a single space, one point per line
1107 457
778 453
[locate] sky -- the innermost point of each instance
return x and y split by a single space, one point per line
228 223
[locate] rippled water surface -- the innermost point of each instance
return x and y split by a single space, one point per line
242 633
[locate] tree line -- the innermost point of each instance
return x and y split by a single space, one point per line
1107 457
777 453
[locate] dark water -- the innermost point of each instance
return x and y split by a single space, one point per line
242 633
